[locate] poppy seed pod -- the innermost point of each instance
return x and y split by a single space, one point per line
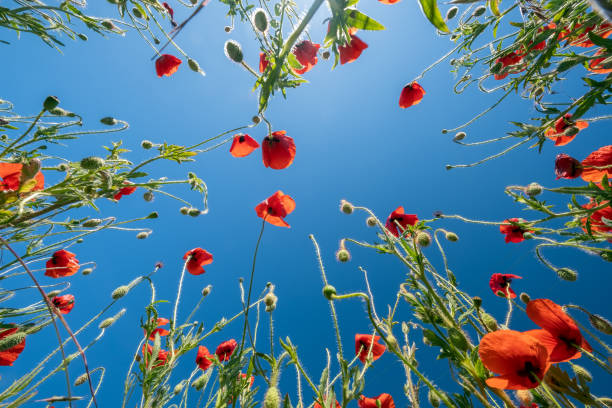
533 189
567 274
480 10
272 398
108 121
270 300
346 207
92 222
325 55
260 20
92 163
582 373
148 196
371 222
256 119
601 324
146 144
525 298
50 103
87 271
227 29
423 239
329 292
432 397
459 136
81 379
342 255
120 292
451 236
477 300
233 51
452 12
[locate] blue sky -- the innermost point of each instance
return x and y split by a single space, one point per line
353 142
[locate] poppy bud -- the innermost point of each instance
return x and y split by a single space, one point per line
92 222
260 20
452 237
325 55
524 298
108 24
567 274
83 37
477 300
87 271
480 10
108 322
81 379
272 398
342 255
200 382
450 14
533 189
148 196
153 215
489 321
270 300
233 51
120 292
53 293
50 103
108 121
178 387
582 373
329 292
92 163
432 397
371 222
143 235
524 397
459 136
136 13
194 66
571 131
423 239
194 212
227 29
256 119
206 290
12 340
184 210
146 144
61 112
527 235
601 324
346 207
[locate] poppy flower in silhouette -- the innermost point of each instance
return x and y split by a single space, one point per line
519 359
398 217
306 54
263 62
197 258
275 208
500 282
124 191
204 359
583 40
382 401
597 164
243 145
159 330
363 342
11 177
567 167
62 264
559 333
278 150
351 51
64 303
167 65
598 66
226 349
147 352
9 355
565 130
595 219
514 233
411 95
506 61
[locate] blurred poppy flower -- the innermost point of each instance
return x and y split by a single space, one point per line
11 177
350 52
278 150
559 134
604 31
519 359
147 352
598 66
567 167
559 333
275 208
363 342
306 54
62 264
243 145
263 62
411 95
226 349
158 330
204 359
64 303
500 282
249 382
198 257
595 219
9 355
514 233
382 401
167 65
403 219
506 61
123 191
168 9
597 164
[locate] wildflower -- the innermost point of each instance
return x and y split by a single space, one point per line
64 303
565 130
158 330
506 61
196 259
598 66
243 145
411 95
62 264
162 355
500 282
278 150
389 1
226 349
123 191
363 343
567 167
10 354
514 233
597 164
351 51
263 62
399 217
167 65
306 54
595 219
337 404
559 333
11 174
204 359
583 40
275 208
381 401
168 9
519 359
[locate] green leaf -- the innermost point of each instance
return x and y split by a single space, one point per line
569 62
357 19
293 62
431 11
494 6
602 42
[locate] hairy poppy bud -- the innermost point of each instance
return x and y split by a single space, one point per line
108 121
194 66
53 293
477 300
260 20
184 210
50 103
81 379
325 55
524 298
329 292
153 215
342 255
83 37
432 397
582 373
178 387
146 144
143 235
272 398
270 300
524 397
200 382
452 237
148 196
194 212
206 290
12 340
109 25
423 239
92 163
571 131
87 271
120 292
227 29
109 322
601 324
371 222
233 51
533 189
137 13
256 119
480 10
459 136
346 207
62 167
489 321
567 274
450 14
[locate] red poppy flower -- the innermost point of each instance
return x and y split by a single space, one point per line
251 380
500 282
350 52
598 66
204 359
506 61
363 342
403 219
557 134
243 145
519 359
306 54
8 356
226 349
567 167
123 191
412 94
595 219
559 333
62 264
168 9
162 332
275 208
167 65
583 40
162 356
389 1
542 44
263 62
11 177
198 257
382 401
316 404
514 233
278 150
594 166
64 303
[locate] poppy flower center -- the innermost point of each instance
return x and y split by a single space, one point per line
241 139
529 371
270 210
